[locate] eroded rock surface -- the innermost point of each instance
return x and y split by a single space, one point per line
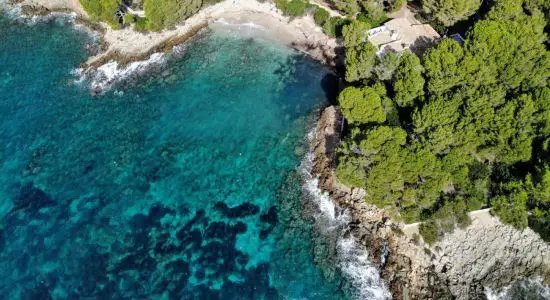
492 255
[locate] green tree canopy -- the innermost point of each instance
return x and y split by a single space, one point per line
349 7
320 16
510 52
102 10
445 67
360 53
512 207
386 66
479 136
167 13
408 82
449 12
373 9
361 105
355 34
360 61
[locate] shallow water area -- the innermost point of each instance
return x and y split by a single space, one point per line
181 185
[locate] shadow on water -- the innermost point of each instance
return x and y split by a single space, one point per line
330 86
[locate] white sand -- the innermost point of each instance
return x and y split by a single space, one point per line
128 42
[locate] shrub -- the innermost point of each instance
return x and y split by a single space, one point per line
333 26
372 21
281 5
410 215
296 8
321 16
140 24
102 10
429 232
416 238
167 13
512 209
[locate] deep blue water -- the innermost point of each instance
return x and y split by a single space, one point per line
181 187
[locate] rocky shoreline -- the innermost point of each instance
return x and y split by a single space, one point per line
461 266
126 46
115 51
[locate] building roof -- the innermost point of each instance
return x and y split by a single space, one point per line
457 37
403 32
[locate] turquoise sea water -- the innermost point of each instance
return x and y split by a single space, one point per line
184 186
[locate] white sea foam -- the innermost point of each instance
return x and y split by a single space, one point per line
11 11
534 288
352 259
111 73
357 268
14 12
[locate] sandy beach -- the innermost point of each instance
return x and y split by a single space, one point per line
302 33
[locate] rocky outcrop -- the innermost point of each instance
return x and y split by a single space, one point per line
322 52
406 269
458 267
490 254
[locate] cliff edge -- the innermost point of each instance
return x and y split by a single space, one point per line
485 254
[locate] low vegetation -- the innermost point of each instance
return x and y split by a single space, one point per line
296 8
167 13
320 16
140 24
334 25
160 14
372 12
102 10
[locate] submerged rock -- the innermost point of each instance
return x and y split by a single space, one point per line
239 211
270 216
31 198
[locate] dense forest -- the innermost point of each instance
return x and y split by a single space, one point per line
462 127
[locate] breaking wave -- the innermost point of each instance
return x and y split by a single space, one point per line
106 76
363 277
14 12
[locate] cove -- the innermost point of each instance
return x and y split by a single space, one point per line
182 186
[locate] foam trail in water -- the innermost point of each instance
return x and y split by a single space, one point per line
109 74
14 12
523 289
352 260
